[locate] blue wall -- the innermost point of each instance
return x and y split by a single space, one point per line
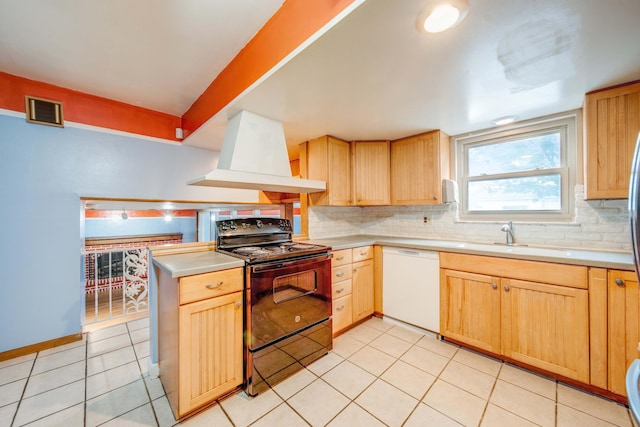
103 227
44 171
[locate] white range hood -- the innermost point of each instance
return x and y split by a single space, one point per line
254 157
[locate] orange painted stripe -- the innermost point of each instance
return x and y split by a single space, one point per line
288 28
139 213
89 109
275 212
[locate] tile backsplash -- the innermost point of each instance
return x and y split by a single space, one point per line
598 224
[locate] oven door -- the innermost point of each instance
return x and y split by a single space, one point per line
287 296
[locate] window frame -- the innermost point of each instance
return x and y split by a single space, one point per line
567 123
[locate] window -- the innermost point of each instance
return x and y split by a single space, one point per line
522 172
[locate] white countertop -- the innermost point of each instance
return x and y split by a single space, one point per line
187 264
604 259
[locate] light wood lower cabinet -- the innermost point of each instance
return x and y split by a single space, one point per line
200 327
470 309
546 326
352 286
540 324
624 326
362 289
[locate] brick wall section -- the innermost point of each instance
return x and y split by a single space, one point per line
598 225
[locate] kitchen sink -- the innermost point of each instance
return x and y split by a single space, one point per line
516 249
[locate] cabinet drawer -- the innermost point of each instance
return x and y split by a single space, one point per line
341 257
341 273
574 276
209 285
341 313
340 289
362 253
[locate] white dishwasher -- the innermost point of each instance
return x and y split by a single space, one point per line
411 287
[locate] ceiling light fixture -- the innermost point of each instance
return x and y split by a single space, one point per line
167 217
124 215
506 120
440 15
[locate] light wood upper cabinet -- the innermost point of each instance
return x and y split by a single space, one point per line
418 165
371 169
624 326
329 159
612 123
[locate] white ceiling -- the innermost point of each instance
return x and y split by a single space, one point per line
157 54
372 76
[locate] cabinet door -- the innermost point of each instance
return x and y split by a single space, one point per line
210 350
329 160
612 122
418 164
546 326
362 289
371 170
470 309
624 326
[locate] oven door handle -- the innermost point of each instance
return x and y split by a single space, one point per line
297 262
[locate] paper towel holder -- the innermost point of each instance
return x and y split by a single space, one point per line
449 191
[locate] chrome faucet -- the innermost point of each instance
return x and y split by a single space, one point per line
508 228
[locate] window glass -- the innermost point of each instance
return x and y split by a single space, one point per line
525 171
536 193
529 153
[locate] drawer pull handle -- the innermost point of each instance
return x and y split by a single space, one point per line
340 274
355 270
494 286
506 288
340 258
339 291
214 285
363 253
619 282
340 308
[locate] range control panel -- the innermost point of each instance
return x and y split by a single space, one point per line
252 226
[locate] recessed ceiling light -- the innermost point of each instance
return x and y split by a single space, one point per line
504 120
440 15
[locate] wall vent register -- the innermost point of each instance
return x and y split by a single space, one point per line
44 112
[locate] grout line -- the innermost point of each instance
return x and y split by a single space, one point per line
556 403
488 400
26 383
379 377
86 371
150 402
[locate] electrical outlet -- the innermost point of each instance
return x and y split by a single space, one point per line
425 219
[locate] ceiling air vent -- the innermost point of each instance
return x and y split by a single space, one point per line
44 111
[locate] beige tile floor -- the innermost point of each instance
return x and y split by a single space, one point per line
378 374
